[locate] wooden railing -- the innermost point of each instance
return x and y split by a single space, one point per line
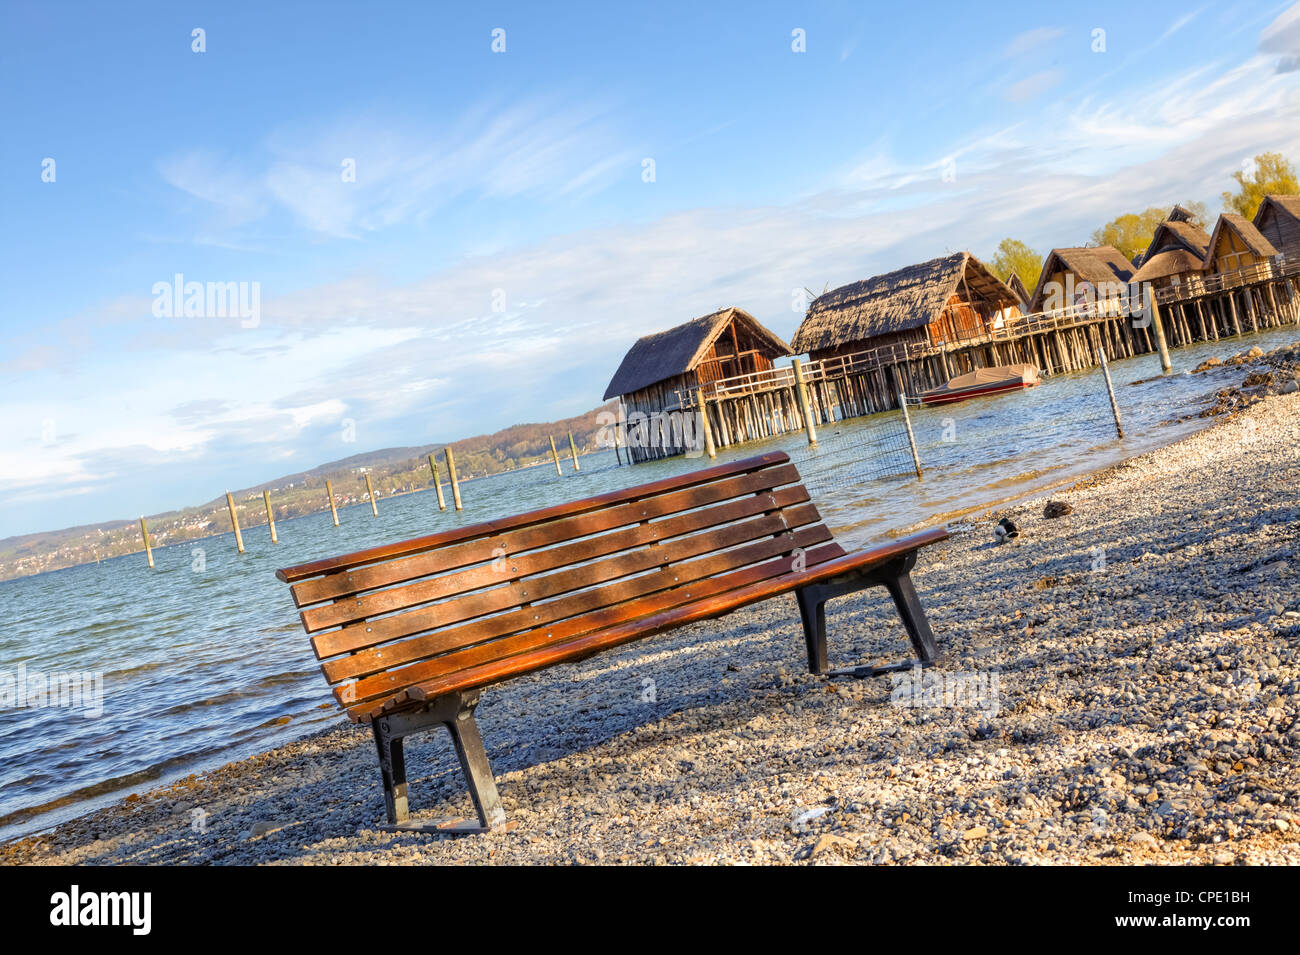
1196 286
1129 303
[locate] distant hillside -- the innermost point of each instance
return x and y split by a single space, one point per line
392 471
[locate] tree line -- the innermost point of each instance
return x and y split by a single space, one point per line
1267 174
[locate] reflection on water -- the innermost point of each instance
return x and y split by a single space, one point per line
203 667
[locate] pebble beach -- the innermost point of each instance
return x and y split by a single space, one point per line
1120 684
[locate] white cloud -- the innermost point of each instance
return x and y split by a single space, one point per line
536 149
1032 41
1031 87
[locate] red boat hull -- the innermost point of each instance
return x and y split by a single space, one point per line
955 396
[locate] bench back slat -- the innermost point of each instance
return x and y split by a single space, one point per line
387 552
441 651
386 619
507 559
360 698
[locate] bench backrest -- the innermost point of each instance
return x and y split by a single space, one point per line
390 617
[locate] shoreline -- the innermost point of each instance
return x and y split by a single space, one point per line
258 809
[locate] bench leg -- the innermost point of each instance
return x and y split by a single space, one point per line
457 714
895 577
813 613
478 773
392 765
909 608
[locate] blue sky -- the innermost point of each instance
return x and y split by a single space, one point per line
500 248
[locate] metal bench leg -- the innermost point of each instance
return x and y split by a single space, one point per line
457 714
474 764
895 577
909 608
813 611
392 764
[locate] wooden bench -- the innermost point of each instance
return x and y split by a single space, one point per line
410 633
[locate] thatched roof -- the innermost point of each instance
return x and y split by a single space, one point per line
1179 214
1288 204
1018 287
1176 248
678 350
895 302
1096 264
1169 262
1176 234
1245 230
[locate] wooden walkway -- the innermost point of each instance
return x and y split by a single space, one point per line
762 405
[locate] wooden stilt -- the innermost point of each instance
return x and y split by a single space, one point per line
437 482
270 515
451 474
329 489
234 522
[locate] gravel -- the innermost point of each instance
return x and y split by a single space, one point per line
1122 685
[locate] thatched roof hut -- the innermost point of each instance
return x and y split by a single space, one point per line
661 370
945 299
1278 220
1177 250
1236 244
1065 270
729 338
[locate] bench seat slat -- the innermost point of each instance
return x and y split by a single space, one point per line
383 656
445 651
501 669
387 552
525 565
645 608
357 636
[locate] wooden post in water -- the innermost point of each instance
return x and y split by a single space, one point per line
710 448
270 515
573 450
144 532
556 456
329 489
437 482
907 421
1159 325
1110 390
234 522
804 405
451 474
370 489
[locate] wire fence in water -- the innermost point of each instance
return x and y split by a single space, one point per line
855 451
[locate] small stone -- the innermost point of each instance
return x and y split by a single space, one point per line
1143 839
829 843
975 832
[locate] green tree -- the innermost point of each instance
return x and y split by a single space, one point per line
1131 233
1272 175
1014 257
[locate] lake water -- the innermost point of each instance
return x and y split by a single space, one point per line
204 666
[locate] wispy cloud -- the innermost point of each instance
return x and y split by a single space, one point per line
1033 41
1181 22
1031 87
361 176
1282 38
